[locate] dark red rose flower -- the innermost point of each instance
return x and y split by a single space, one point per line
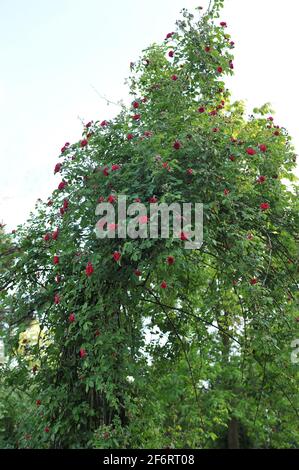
47 429
62 185
56 299
50 203
101 199
265 206
56 259
177 145
57 168
136 117
148 133
170 53
115 167
57 279
111 199
89 124
163 285
270 118
62 211
261 179
253 281
136 105
232 158
207 49
83 143
72 318
65 204
116 256
169 35
231 65
130 136
170 260
89 269
38 402
137 199
106 172
183 236
104 123
47 237
223 24
249 236
201 109
63 149
232 44
263 148
143 219
137 273
55 234
276 133
190 171
82 353
250 151
219 69
97 333
174 77
226 192
153 200
215 129
213 113
112 227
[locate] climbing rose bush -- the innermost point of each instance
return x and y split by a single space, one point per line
205 334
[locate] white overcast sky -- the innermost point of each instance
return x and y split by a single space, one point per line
52 51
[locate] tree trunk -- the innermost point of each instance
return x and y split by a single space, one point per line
233 435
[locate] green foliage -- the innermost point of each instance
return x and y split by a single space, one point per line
221 332
15 406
